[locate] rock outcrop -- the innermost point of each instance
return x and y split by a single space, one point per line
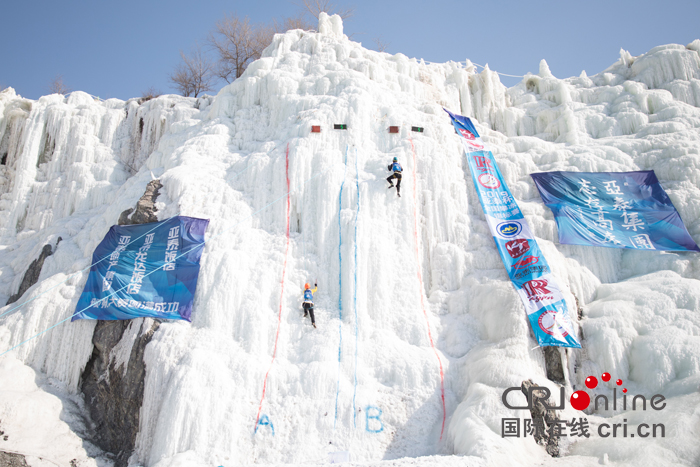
8 459
113 385
31 276
545 421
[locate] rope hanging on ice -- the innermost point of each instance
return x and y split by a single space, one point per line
72 275
482 66
420 283
284 271
357 217
499 73
340 285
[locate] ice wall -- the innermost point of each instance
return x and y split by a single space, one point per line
73 165
66 164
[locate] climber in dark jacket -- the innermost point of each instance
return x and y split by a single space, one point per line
309 301
397 169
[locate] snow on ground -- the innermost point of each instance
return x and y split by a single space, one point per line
73 165
39 424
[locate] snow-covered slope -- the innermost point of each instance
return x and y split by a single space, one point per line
394 273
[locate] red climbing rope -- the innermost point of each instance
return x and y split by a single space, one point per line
284 271
420 280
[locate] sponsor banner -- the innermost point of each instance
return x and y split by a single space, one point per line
145 270
538 293
613 209
509 229
522 258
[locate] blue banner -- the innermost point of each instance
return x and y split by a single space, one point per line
522 258
145 270
613 209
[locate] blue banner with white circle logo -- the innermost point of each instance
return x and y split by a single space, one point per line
613 209
145 270
522 258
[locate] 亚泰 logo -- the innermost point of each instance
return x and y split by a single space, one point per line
509 229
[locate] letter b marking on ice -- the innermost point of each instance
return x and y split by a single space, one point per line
376 417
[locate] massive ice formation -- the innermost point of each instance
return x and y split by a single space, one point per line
71 166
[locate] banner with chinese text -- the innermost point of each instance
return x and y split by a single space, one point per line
522 258
146 270
613 209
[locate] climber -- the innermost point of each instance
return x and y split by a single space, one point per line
309 301
396 168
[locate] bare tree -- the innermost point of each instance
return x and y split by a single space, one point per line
57 86
315 7
297 22
238 43
150 93
381 45
194 75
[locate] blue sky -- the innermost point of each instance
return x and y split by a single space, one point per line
120 48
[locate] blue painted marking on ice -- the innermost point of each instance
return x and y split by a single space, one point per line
340 286
265 420
357 216
375 417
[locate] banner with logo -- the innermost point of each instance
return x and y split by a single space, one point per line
613 209
145 270
522 258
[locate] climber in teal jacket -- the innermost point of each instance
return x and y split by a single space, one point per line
309 302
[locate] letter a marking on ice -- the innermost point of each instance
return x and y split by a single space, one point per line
265 420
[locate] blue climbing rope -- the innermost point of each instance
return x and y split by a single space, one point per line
340 286
357 216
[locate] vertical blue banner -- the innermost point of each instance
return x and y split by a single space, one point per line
145 270
527 268
613 209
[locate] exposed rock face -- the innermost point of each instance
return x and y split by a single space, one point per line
554 357
554 365
145 207
32 275
114 392
542 417
8 459
113 385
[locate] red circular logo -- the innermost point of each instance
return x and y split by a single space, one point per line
548 323
489 181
